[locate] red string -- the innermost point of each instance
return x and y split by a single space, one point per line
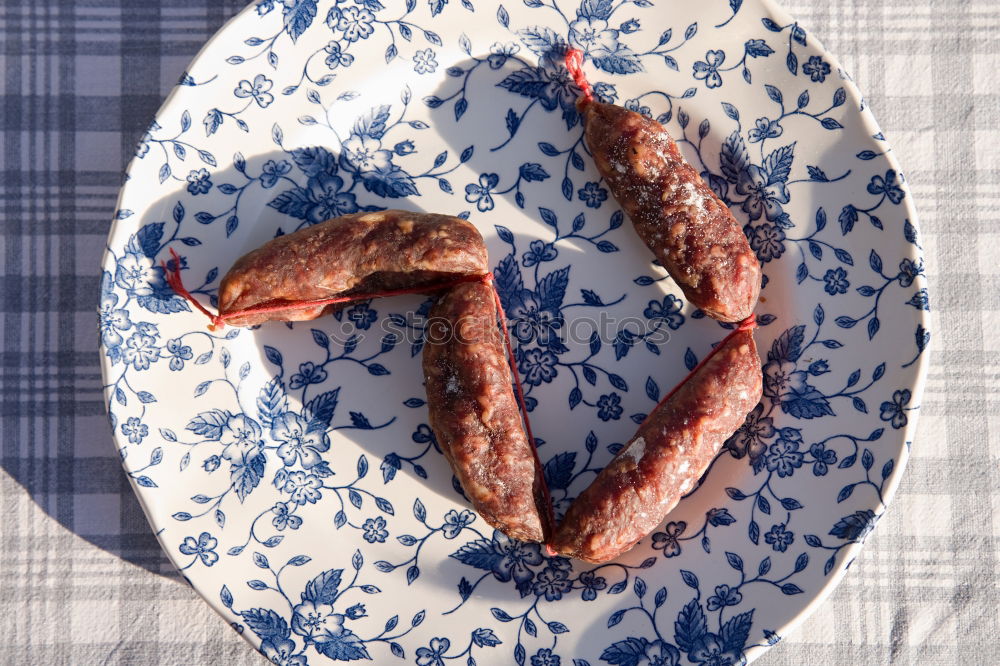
175 282
550 518
173 277
574 63
218 320
747 324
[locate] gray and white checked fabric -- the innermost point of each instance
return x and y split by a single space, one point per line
82 580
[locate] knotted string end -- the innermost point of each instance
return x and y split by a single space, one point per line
574 63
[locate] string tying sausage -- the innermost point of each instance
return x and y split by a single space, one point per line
218 320
574 63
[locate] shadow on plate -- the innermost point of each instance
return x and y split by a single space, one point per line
307 369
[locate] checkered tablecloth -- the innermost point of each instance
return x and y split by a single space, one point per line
82 579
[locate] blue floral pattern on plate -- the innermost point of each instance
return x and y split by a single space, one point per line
254 451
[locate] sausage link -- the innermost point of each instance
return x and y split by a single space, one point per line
668 454
676 214
358 253
474 414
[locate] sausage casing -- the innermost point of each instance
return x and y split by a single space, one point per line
677 215
668 454
474 413
358 253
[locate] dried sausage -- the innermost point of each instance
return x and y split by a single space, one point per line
475 416
667 455
676 214
358 253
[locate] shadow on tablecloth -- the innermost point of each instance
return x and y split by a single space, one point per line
56 443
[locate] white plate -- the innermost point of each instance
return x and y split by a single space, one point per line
456 107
